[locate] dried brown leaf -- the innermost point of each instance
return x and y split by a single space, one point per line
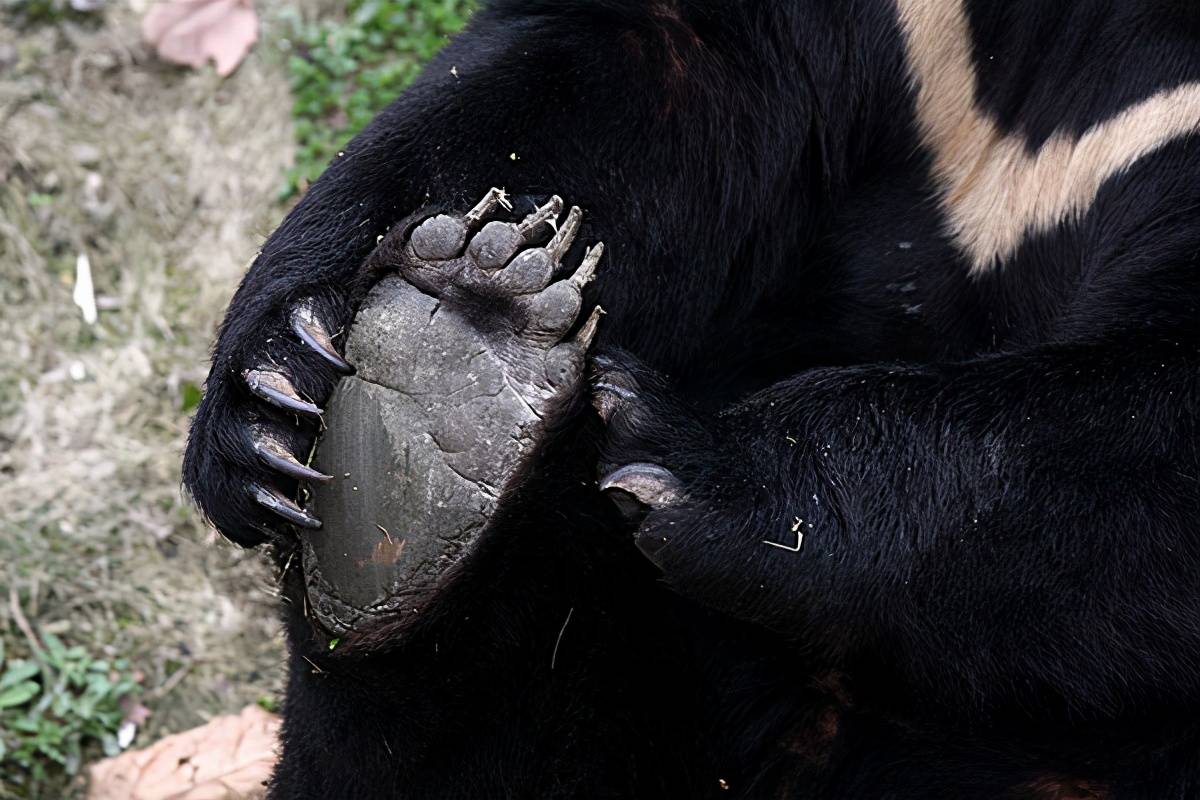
228 758
191 32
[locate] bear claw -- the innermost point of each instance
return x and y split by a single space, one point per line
277 389
275 454
274 501
565 235
652 485
312 332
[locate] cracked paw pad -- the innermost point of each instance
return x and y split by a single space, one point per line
460 358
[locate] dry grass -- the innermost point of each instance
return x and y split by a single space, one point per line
166 180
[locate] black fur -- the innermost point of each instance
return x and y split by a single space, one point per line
997 479
1038 65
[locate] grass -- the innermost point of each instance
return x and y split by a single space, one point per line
112 589
166 181
55 704
342 72
35 12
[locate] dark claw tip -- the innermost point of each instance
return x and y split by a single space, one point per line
650 484
276 389
312 332
275 455
272 501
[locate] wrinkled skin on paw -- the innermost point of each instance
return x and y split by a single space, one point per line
462 357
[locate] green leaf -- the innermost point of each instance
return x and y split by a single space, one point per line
190 396
19 695
342 73
55 649
17 672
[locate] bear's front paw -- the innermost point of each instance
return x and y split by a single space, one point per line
665 465
715 503
254 428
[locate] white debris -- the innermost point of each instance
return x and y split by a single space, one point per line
125 734
85 293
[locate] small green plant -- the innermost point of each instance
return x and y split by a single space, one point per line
190 396
342 73
43 12
55 708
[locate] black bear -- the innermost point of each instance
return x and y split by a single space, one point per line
901 363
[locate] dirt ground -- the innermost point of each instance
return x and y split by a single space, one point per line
165 180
